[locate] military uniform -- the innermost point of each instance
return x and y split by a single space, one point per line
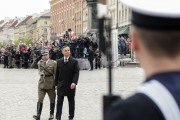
10 60
46 83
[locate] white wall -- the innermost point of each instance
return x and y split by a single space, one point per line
114 37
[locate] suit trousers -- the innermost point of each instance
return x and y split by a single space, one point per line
91 64
71 100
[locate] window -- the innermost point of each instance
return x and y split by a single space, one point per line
126 14
45 37
45 30
123 16
45 22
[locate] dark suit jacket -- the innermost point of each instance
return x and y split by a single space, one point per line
91 55
66 74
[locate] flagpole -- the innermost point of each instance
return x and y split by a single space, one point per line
106 48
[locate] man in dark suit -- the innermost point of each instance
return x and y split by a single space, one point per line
66 79
91 57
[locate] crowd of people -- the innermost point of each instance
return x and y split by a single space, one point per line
23 55
124 45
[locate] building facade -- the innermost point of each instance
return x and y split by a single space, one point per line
16 33
20 30
1 35
29 27
16 29
62 15
120 15
8 34
85 21
78 17
90 18
11 30
41 28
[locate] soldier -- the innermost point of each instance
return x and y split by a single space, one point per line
156 41
17 59
6 53
26 58
47 69
97 59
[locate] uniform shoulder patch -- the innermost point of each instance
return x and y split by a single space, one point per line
53 61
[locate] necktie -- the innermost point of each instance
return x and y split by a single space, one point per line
66 60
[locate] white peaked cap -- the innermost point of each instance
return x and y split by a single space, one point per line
167 11
163 8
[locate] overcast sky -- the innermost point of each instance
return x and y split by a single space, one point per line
21 8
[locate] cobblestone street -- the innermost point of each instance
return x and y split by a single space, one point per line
18 96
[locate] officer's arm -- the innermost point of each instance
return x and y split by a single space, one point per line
54 71
57 74
35 63
55 67
76 73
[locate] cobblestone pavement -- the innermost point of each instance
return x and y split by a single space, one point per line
18 92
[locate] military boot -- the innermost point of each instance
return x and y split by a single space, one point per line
39 109
52 105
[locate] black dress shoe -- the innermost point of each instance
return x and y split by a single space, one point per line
51 117
36 117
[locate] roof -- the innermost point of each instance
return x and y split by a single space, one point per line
46 15
14 23
2 21
5 23
11 21
32 21
24 21
35 20
19 21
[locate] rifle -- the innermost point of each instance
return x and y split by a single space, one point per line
105 42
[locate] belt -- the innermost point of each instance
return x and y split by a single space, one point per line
46 75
